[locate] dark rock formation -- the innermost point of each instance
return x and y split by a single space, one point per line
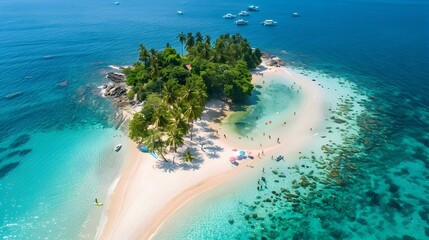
116 91
116 77
7 168
23 139
24 152
374 197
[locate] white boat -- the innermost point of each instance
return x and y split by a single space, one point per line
295 14
229 16
180 12
243 13
269 23
117 3
241 22
253 8
118 147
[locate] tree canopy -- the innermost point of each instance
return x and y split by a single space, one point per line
176 87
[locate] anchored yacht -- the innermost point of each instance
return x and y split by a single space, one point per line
269 23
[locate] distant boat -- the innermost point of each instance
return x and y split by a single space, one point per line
241 22
269 23
118 147
180 12
253 8
117 3
244 13
295 14
229 16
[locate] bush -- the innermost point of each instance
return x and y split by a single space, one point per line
130 94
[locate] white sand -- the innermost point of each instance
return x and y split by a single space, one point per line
149 191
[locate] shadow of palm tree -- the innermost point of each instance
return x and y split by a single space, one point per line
202 124
215 148
166 166
213 136
195 164
212 155
189 166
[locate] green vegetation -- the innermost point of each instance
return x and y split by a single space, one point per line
188 156
176 87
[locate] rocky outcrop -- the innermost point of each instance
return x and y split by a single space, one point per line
114 91
116 77
272 60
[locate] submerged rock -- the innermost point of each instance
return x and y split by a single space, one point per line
7 168
12 154
63 83
393 203
374 197
23 139
24 152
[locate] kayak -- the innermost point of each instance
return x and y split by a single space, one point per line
99 204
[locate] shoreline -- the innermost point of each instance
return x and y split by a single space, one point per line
119 219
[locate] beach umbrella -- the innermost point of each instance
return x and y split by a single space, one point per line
242 153
232 159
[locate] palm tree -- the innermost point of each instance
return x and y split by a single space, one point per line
169 92
198 37
161 148
160 118
177 120
190 41
144 54
154 63
174 138
188 156
192 111
151 139
182 39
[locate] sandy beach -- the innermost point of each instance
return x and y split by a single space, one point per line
148 190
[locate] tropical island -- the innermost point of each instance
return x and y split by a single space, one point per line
184 124
176 87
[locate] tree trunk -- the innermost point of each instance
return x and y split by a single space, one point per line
192 128
162 155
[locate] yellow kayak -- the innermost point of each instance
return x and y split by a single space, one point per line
98 204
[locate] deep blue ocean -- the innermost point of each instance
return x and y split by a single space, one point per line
56 141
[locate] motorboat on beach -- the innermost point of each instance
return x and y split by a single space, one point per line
295 14
243 14
229 16
253 8
241 22
269 23
180 12
118 147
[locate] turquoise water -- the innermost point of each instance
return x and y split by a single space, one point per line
278 100
381 46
